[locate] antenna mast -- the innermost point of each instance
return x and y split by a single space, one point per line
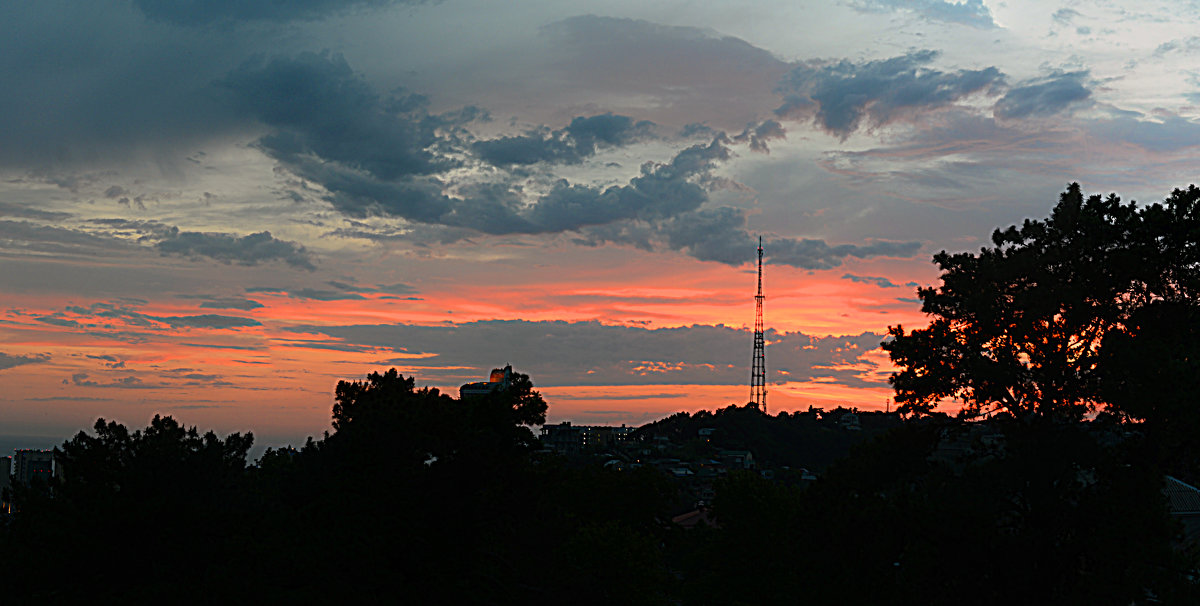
758 372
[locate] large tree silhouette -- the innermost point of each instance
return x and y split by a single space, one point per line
1020 327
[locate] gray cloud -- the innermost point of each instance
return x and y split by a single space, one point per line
390 289
670 74
11 361
877 281
57 319
840 96
208 321
816 254
1188 45
129 382
757 135
109 360
220 346
571 145
1044 97
9 209
591 353
215 302
660 192
26 236
315 294
720 235
1064 16
967 12
1170 135
326 345
129 316
229 248
208 12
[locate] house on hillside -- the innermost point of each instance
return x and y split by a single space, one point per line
1184 502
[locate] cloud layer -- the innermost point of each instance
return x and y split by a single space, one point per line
591 353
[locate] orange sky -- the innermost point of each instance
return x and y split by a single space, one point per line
279 383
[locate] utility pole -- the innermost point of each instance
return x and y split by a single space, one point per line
758 371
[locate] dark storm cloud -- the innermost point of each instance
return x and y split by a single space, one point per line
207 12
660 192
99 84
378 157
840 96
591 353
375 156
229 248
1044 97
11 361
320 108
711 235
967 12
571 145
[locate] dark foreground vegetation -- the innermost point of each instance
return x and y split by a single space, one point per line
1075 363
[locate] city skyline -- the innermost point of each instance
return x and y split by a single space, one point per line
218 212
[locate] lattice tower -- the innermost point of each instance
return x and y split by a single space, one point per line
758 371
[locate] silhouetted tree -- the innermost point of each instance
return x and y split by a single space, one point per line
1149 374
1020 327
166 502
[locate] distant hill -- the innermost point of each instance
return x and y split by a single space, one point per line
812 439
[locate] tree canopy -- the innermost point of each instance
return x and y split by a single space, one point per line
1025 326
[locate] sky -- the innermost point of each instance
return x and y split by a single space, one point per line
219 210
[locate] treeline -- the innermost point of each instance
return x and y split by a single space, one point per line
811 439
417 497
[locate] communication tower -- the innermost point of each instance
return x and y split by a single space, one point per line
758 370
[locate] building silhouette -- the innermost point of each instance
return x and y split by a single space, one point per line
29 466
499 380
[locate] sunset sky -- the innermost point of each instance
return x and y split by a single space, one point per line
218 210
